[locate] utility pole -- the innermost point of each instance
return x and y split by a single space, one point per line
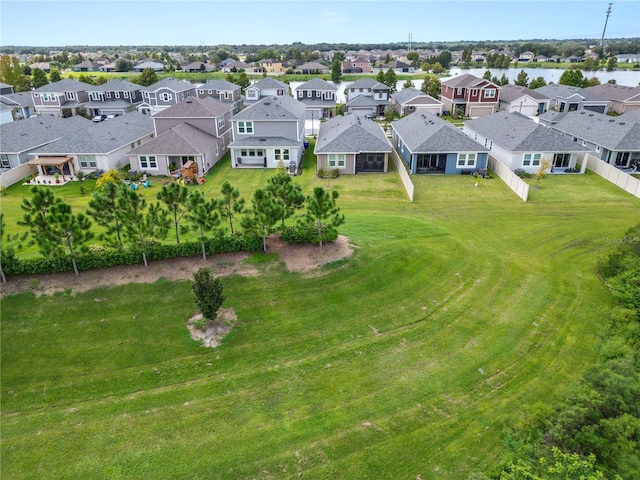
605 25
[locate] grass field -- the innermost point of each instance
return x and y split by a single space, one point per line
458 317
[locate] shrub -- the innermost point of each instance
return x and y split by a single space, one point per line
207 292
307 233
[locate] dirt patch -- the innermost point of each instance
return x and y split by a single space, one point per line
212 332
297 258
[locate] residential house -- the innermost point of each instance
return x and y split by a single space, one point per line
165 93
114 97
312 68
615 140
540 59
319 98
572 59
268 132
87 66
239 66
5 114
270 65
623 99
155 66
515 98
20 104
411 99
227 61
44 66
358 65
99 146
196 67
63 98
352 144
567 98
429 145
224 91
522 144
266 87
195 130
18 139
5 88
367 96
473 96
526 57
396 65
628 57
108 67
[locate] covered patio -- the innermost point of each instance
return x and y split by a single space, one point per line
45 169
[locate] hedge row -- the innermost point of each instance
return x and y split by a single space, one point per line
307 233
101 257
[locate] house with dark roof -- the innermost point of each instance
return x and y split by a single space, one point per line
623 98
99 146
429 145
114 97
195 67
567 98
473 96
268 132
411 99
63 98
395 65
225 92
357 65
522 144
240 66
614 140
319 98
352 144
87 66
367 96
312 68
266 87
165 93
5 88
155 66
515 98
195 130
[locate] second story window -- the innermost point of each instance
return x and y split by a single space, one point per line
71 95
220 122
490 93
166 97
245 127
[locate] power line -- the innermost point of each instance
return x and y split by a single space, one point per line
605 25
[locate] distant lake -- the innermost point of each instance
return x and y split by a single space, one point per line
628 78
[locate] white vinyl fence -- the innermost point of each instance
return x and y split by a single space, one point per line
14 175
404 174
614 175
513 181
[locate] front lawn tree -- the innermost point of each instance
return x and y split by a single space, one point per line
207 292
282 186
67 231
231 203
139 224
322 211
175 197
202 216
266 211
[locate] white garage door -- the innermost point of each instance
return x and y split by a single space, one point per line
477 111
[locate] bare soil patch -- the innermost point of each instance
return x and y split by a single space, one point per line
301 258
213 332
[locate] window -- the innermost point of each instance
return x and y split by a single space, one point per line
531 159
458 91
220 122
597 148
251 152
280 93
245 127
148 162
117 94
474 92
95 95
87 161
282 154
4 161
126 94
166 97
70 95
490 93
336 161
466 160
252 94
108 94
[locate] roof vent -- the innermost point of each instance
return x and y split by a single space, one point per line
621 123
267 103
262 140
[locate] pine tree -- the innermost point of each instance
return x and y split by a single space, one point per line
202 216
106 212
281 186
174 196
266 211
322 211
67 231
36 218
230 204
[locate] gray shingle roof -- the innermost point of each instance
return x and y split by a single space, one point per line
116 85
317 84
351 134
464 80
111 102
170 83
23 99
408 94
273 108
614 133
618 93
559 91
65 85
32 132
312 66
517 133
194 107
103 137
362 101
264 142
368 83
183 139
510 93
423 132
268 82
220 85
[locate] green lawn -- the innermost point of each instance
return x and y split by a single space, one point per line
458 317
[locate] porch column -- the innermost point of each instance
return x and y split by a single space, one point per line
583 165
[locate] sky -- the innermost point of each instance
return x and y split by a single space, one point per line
237 22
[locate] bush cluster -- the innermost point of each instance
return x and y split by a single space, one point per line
307 233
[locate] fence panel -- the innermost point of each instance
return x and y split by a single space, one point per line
14 175
404 174
515 183
614 175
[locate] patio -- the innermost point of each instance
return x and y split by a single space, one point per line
50 180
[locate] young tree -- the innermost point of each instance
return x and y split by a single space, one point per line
414 58
537 83
67 231
504 80
39 78
54 76
545 167
390 80
139 224
487 74
593 81
202 216
612 64
281 186
437 68
431 86
123 65
408 84
572 77
146 78
425 67
336 70
36 216
323 212
243 81
105 211
174 196
380 77
265 212
231 203
522 79
207 292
